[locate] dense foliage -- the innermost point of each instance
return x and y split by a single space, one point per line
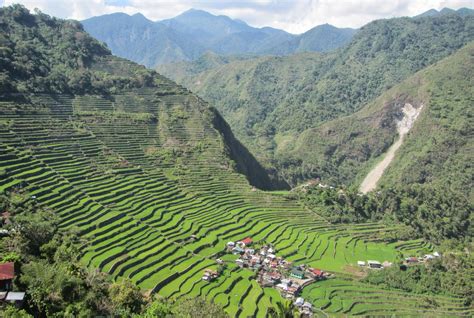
27 63
437 149
273 103
449 275
437 214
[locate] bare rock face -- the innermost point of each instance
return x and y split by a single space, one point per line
410 114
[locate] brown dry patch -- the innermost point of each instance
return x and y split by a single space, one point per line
355 271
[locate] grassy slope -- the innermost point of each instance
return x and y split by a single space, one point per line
269 102
437 148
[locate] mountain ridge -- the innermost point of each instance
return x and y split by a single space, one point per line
193 32
89 71
270 101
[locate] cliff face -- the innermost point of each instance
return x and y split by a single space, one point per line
245 161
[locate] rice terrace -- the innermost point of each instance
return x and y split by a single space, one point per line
148 181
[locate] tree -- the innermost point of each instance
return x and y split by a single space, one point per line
12 312
50 286
197 308
126 297
285 309
159 308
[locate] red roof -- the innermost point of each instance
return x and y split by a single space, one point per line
247 241
316 272
7 271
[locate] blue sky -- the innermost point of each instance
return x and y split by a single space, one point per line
295 16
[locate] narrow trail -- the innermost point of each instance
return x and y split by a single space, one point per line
403 127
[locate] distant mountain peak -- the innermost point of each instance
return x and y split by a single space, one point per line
193 32
195 13
434 12
140 17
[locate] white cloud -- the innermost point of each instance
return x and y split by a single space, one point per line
295 16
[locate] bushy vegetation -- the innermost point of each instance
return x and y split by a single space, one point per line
57 284
448 275
49 270
28 64
437 214
274 103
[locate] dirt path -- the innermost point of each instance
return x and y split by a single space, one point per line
403 127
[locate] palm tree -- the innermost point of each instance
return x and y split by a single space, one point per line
285 309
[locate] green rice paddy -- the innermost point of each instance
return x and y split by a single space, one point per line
157 202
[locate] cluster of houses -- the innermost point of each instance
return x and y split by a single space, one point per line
426 258
305 308
276 272
412 260
7 274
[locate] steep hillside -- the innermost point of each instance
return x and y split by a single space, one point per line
141 171
141 40
190 34
81 65
270 102
436 150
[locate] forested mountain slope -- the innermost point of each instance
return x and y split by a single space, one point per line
140 172
192 33
437 149
269 102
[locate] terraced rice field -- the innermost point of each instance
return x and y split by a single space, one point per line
339 297
157 200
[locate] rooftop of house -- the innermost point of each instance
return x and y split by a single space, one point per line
247 241
316 271
15 296
296 271
7 271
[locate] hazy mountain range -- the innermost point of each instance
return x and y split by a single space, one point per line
192 33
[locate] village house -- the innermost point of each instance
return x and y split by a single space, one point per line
245 242
307 308
316 273
411 260
374 264
299 302
297 273
7 274
5 219
209 275
238 250
15 298
386 264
